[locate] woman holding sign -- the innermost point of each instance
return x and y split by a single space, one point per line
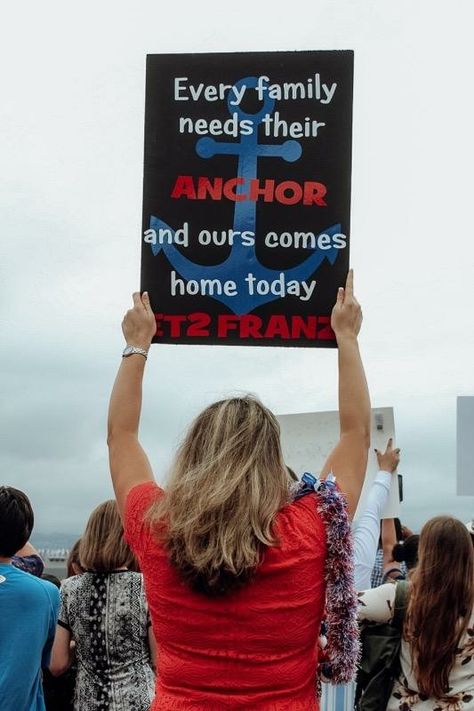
240 567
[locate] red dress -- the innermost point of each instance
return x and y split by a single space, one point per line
255 648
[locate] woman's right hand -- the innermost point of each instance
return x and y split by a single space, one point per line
139 324
346 317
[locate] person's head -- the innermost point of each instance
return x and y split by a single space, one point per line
73 564
228 482
16 520
441 601
407 552
102 547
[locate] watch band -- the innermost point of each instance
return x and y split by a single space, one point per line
131 350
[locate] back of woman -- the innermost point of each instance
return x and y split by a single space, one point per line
107 616
437 646
235 574
266 629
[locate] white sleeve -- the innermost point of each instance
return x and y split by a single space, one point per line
367 530
376 604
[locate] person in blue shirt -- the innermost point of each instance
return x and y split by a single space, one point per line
28 611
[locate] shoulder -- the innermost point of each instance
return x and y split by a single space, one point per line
138 501
302 517
377 604
52 593
140 498
44 589
28 591
75 582
384 593
387 590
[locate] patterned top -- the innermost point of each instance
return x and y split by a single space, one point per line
255 648
376 605
107 616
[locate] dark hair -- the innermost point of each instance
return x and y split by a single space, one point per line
440 604
16 520
51 579
407 552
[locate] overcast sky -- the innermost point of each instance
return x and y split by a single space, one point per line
71 147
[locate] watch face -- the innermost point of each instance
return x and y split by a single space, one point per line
128 351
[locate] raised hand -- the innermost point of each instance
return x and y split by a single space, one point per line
389 460
346 317
139 325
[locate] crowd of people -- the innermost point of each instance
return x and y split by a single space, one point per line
238 587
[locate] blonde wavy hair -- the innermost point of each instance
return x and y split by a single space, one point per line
226 487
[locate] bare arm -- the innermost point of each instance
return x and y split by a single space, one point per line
152 645
389 461
129 464
389 540
62 655
348 460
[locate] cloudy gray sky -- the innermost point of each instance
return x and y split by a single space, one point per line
71 108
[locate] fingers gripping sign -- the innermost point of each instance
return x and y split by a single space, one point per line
139 325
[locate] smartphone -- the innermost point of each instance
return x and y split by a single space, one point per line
400 487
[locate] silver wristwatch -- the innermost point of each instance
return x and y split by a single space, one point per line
131 350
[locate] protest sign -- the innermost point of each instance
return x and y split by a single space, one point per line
308 438
246 209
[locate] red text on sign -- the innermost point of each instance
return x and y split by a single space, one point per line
287 192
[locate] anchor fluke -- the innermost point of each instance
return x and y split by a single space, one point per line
236 269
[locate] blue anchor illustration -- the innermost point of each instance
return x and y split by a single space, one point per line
243 259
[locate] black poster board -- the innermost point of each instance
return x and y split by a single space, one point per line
246 207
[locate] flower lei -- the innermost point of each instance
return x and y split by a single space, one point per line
343 648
